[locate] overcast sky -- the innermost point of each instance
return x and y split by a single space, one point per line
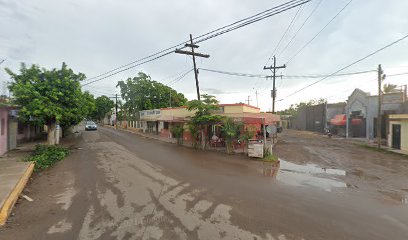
94 36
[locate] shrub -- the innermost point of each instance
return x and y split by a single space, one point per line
177 132
45 156
270 157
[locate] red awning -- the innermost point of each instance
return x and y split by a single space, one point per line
340 120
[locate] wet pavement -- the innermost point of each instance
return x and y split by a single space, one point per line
117 185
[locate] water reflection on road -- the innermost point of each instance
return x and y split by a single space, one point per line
305 175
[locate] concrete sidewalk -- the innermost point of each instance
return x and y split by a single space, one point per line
14 174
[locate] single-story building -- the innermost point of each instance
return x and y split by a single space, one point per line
8 128
160 121
13 131
361 105
398 131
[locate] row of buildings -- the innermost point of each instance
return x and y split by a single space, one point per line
357 118
160 121
12 131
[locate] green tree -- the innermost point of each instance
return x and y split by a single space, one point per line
203 116
103 105
50 96
142 93
390 88
231 132
177 132
293 109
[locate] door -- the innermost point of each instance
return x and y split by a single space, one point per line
12 134
396 136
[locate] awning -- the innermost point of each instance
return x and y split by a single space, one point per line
340 120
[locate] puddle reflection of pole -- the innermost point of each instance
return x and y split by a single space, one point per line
264 135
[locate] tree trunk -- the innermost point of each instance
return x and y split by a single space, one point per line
51 133
202 139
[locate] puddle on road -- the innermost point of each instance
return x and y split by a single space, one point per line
305 175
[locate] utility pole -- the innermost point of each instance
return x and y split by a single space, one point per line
170 98
116 112
381 77
256 94
273 69
248 100
194 54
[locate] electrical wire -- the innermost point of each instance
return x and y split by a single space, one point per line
122 70
162 53
172 82
284 34
301 27
285 76
255 20
397 74
349 65
318 33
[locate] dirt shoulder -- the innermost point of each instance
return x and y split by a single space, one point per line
381 173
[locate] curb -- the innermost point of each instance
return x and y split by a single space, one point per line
8 205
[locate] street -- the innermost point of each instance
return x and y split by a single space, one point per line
119 185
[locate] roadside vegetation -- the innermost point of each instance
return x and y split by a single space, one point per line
50 97
45 156
177 132
270 157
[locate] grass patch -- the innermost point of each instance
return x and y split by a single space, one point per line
269 157
45 156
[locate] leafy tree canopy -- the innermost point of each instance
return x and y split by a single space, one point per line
48 96
143 93
390 88
103 105
204 108
294 108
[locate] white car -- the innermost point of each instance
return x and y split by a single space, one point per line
89 125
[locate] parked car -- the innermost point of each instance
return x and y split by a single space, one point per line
89 125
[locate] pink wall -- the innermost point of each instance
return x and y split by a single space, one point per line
3 138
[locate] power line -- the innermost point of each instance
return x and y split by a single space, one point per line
349 65
178 78
284 34
285 76
318 33
301 27
99 79
323 75
256 20
397 74
230 27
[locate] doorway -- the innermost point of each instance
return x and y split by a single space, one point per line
396 136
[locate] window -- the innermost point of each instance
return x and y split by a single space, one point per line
3 126
166 125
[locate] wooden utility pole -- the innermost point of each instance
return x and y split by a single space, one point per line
248 100
256 94
116 112
381 77
273 69
194 54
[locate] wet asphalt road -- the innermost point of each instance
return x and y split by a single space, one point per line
118 185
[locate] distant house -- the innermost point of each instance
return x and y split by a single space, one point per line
398 131
12 131
361 105
8 130
160 121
